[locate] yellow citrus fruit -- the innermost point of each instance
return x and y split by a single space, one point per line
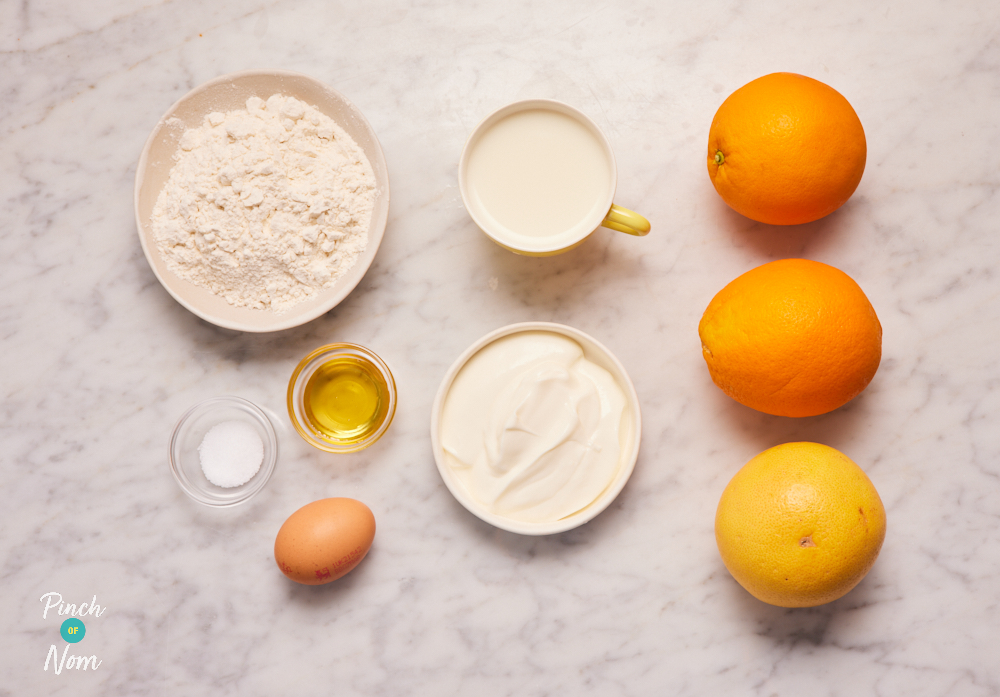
800 525
786 149
791 338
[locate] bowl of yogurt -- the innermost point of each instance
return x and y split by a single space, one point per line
536 428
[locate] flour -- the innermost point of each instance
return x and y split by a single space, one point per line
265 207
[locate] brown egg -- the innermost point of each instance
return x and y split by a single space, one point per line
324 540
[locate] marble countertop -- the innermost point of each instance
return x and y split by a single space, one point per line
99 361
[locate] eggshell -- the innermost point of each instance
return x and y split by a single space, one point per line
324 540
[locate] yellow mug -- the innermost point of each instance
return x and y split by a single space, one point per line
538 177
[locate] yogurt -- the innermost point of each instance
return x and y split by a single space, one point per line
532 429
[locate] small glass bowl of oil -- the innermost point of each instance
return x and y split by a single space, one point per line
341 398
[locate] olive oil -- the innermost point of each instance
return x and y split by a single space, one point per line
346 399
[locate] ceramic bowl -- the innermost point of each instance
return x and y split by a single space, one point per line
228 93
185 461
594 352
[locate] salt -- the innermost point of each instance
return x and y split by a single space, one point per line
231 453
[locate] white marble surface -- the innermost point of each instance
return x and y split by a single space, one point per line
99 362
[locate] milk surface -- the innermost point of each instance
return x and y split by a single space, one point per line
540 173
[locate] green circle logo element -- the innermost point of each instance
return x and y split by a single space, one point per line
72 630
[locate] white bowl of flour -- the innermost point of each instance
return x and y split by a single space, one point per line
261 198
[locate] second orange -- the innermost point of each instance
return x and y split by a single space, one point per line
791 338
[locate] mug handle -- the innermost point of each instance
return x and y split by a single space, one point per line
624 220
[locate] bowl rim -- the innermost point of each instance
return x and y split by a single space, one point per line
297 378
287 320
266 468
597 506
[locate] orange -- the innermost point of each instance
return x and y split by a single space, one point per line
786 149
792 338
800 525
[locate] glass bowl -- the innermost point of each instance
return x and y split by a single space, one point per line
185 462
361 370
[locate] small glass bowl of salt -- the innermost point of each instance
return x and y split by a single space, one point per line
223 451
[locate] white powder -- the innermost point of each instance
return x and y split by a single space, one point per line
265 207
231 453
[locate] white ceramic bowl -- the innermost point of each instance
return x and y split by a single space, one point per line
227 93
594 352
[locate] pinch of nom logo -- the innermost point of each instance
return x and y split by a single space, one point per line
72 631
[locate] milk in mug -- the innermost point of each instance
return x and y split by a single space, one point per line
539 173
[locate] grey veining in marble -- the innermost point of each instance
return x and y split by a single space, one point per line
99 362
